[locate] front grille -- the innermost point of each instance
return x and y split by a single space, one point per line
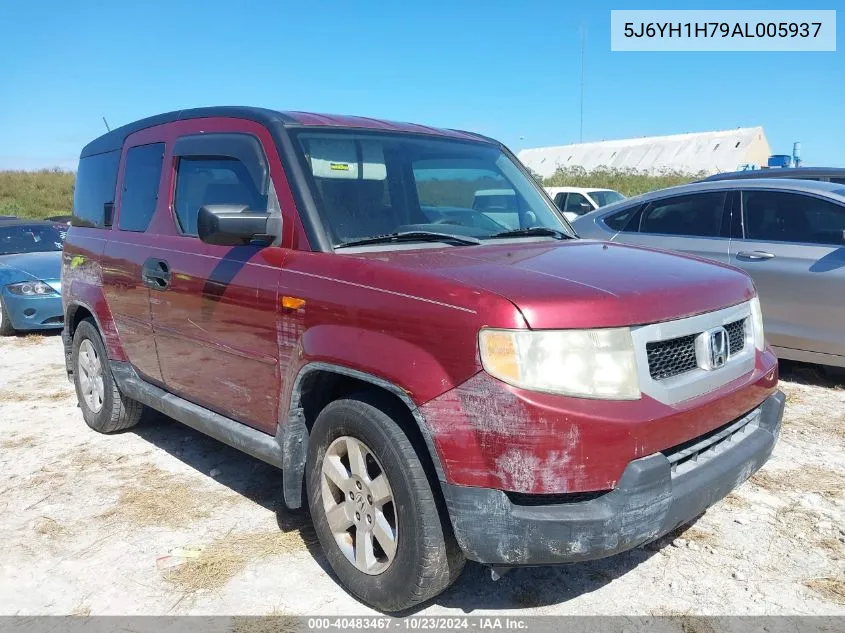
695 452
736 335
677 356
52 320
672 357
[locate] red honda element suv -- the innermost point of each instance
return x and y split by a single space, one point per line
435 382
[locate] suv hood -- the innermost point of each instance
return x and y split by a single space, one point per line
582 283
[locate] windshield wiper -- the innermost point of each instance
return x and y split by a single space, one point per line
533 231
411 236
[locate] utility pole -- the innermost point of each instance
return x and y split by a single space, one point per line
583 37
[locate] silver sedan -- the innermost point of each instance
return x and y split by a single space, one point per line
789 235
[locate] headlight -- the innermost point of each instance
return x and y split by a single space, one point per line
757 324
581 363
31 289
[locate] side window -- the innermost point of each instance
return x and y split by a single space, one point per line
621 221
574 204
773 216
202 181
698 215
96 180
560 200
141 178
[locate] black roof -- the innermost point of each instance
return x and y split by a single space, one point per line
781 172
114 140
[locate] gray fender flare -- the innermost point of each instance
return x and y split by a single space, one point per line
292 435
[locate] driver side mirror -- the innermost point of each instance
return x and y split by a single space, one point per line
233 225
585 207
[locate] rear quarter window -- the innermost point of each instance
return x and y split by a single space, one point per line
96 180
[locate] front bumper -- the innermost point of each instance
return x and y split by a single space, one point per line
34 312
655 494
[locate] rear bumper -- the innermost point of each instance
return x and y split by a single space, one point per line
652 498
33 313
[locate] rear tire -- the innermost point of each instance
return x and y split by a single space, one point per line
425 558
6 328
104 408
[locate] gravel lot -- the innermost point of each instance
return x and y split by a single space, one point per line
162 520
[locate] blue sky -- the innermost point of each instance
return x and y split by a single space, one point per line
506 69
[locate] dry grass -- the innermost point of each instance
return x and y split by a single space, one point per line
226 557
815 479
832 547
44 477
84 459
273 622
793 394
686 622
154 497
56 395
28 340
795 520
734 501
695 624
832 589
25 441
82 610
703 537
49 527
27 394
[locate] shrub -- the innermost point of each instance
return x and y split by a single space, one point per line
36 194
629 182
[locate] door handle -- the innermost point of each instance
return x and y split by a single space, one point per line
156 273
755 256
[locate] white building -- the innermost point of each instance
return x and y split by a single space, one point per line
710 152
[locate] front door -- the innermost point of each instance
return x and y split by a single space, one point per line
215 317
697 223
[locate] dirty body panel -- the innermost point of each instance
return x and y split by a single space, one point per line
654 495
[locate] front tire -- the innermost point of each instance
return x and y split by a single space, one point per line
104 408
374 509
6 328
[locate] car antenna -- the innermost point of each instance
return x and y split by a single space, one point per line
107 124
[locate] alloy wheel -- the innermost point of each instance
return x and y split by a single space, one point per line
359 506
90 371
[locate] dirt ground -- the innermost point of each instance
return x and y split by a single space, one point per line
162 520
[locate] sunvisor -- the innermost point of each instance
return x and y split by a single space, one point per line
346 159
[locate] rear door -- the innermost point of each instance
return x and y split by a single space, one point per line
793 248
128 247
216 312
697 223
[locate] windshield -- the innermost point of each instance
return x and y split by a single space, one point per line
29 238
604 198
368 185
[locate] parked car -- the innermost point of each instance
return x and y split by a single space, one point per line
500 205
30 269
789 235
301 287
576 201
823 174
